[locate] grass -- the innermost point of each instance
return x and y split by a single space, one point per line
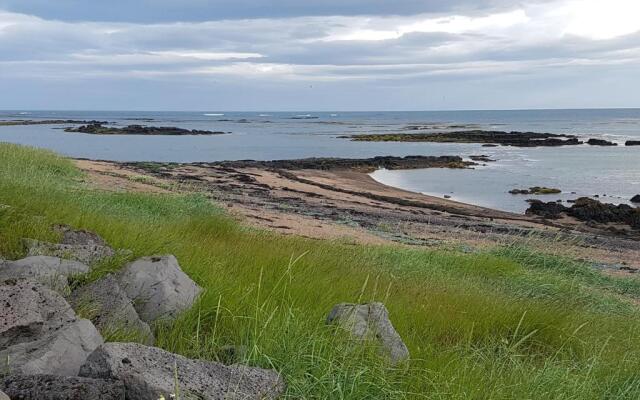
503 324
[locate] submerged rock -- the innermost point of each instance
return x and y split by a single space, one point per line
518 139
370 321
158 287
40 333
50 271
149 373
600 142
54 387
110 309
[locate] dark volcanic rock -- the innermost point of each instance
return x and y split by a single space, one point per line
53 387
99 129
367 164
600 142
589 210
632 143
636 199
550 210
482 158
536 190
16 122
518 139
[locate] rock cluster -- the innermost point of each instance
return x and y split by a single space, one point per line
100 129
49 351
600 142
632 143
589 210
536 190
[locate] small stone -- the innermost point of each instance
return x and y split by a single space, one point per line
54 387
370 321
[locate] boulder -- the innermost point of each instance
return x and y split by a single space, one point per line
80 245
72 236
632 143
370 321
158 287
40 333
53 387
149 373
636 199
551 209
84 253
50 271
110 309
3 396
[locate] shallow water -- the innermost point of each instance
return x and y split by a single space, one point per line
585 170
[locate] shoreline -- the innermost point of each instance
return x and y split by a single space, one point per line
348 204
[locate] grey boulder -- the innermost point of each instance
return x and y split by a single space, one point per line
158 287
49 271
40 333
53 387
110 309
84 253
149 373
370 321
3 396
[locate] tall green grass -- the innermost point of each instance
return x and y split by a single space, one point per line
507 324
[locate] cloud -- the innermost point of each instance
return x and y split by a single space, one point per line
480 43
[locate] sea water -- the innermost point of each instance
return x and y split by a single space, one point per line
611 173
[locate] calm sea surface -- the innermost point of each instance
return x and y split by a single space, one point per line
613 173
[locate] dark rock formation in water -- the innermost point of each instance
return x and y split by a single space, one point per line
632 143
518 139
361 164
18 122
636 199
536 190
100 129
589 210
600 142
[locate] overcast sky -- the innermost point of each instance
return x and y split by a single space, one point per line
319 54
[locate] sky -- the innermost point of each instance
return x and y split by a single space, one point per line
319 54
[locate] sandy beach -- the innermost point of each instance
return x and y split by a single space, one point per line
346 204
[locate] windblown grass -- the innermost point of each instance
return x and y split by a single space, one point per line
510 324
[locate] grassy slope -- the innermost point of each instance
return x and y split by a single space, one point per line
509 324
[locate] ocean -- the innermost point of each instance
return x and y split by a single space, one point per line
610 173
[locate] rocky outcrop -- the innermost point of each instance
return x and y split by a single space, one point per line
632 143
158 287
100 129
370 321
600 142
149 373
518 139
40 333
50 271
636 199
53 387
361 164
589 210
15 122
482 158
110 309
538 190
